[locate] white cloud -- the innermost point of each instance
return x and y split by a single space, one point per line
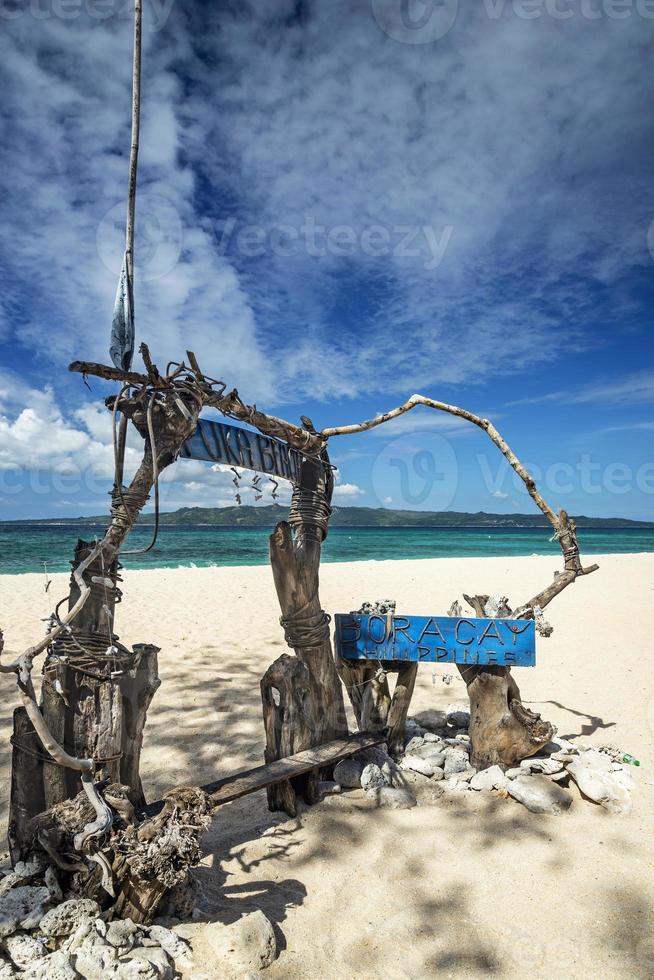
499 495
275 113
35 435
347 491
344 490
66 88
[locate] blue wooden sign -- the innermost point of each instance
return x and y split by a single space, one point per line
437 639
219 442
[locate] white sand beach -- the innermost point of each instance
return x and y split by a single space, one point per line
472 885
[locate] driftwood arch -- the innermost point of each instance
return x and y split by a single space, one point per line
502 729
96 691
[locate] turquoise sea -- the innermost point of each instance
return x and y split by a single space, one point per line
25 548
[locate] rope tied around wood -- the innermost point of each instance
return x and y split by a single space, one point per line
301 631
309 508
110 662
126 505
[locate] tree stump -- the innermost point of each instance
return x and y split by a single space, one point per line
94 701
399 708
26 794
295 559
369 693
287 703
502 730
295 566
375 709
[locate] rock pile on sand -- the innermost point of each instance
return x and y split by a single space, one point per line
436 761
44 937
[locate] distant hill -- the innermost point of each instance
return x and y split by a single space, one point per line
266 517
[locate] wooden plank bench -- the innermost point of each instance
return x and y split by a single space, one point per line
251 780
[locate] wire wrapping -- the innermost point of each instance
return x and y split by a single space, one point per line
97 590
126 505
82 649
306 631
309 507
104 664
95 646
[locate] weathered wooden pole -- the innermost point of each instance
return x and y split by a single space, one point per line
295 559
80 699
399 708
26 793
289 725
96 692
502 730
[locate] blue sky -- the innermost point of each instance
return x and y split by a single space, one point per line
340 204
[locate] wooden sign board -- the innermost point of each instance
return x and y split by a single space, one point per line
437 639
219 442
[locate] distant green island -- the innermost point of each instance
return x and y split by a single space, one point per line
267 517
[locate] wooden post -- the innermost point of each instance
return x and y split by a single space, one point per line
287 704
295 561
82 703
26 795
295 572
134 147
96 692
502 730
137 688
399 709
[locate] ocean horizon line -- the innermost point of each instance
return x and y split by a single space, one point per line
35 547
202 565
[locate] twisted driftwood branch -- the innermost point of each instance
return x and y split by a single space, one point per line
502 730
563 526
24 662
176 416
508 731
22 667
229 404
